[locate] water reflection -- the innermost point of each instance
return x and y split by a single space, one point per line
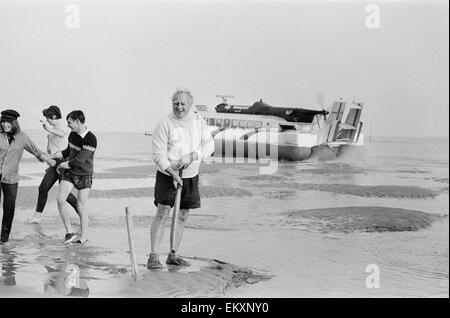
9 268
67 280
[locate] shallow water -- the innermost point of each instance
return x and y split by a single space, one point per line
317 227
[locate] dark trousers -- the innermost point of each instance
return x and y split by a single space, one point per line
50 177
9 206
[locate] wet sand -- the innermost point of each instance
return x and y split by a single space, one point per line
203 278
27 196
362 219
101 269
308 230
72 271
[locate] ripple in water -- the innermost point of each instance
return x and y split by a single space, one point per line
361 219
334 169
411 171
383 191
205 192
216 191
441 180
264 177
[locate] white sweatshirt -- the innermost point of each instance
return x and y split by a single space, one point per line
57 143
174 138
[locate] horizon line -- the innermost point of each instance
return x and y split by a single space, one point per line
366 136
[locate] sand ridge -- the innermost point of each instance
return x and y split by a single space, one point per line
361 219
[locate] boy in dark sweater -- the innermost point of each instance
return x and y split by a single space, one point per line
76 172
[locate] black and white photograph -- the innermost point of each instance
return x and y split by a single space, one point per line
223 149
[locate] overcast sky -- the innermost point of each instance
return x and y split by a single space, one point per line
125 60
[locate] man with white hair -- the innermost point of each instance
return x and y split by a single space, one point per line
180 141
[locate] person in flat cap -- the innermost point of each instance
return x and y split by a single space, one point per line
9 115
12 143
58 133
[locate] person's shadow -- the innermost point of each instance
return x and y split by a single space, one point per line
9 268
67 280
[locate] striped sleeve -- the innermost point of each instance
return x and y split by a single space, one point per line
86 151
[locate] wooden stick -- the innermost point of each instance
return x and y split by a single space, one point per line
176 210
134 267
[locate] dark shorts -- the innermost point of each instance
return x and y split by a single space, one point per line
80 182
165 192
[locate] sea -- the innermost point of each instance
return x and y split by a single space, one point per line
373 223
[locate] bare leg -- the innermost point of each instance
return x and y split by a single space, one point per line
65 188
182 218
157 228
82 207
